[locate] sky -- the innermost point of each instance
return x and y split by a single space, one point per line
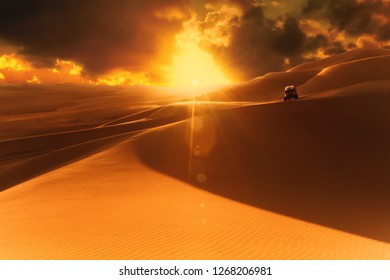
178 42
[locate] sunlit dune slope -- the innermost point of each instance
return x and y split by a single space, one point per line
340 58
358 71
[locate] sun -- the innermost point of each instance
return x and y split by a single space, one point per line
195 82
192 66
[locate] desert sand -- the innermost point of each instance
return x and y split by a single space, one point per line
140 173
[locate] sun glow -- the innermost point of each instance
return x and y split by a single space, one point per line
191 65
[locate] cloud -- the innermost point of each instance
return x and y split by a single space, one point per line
366 41
11 62
313 43
335 48
98 34
248 38
353 16
254 44
250 43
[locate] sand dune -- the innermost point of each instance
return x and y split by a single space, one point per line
362 65
41 109
313 160
249 177
341 58
349 73
149 215
26 157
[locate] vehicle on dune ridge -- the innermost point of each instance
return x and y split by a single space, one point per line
290 92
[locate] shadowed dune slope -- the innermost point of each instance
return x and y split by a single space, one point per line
322 160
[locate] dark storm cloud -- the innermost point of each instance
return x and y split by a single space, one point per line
315 42
99 34
351 46
288 40
251 50
383 33
353 16
259 45
335 48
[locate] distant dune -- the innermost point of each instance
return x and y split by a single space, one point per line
113 173
354 55
358 66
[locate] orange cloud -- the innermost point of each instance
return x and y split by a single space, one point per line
34 80
219 24
16 69
13 63
67 67
123 78
135 36
312 27
367 41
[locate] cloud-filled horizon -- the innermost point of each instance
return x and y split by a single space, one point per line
130 42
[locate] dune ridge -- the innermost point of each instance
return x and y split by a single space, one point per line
357 54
